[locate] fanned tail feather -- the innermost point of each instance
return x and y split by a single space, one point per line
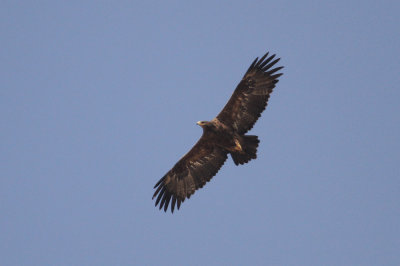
249 146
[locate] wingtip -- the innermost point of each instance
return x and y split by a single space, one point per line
261 60
173 203
252 65
266 66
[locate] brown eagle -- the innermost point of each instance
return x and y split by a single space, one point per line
223 135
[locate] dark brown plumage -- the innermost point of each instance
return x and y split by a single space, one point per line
223 135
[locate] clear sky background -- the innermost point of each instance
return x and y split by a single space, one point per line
99 100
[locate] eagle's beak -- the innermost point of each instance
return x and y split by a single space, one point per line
198 123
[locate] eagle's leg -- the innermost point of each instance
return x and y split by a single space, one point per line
238 147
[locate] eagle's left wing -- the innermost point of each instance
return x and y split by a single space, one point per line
190 173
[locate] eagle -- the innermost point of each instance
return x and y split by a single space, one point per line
223 135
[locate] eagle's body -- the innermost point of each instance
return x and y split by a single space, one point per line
226 138
220 135
223 135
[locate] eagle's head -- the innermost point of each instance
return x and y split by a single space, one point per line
203 124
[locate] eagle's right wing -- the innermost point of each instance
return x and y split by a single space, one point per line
251 95
190 173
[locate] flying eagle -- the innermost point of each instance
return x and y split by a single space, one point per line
223 135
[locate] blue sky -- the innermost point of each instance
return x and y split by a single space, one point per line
100 99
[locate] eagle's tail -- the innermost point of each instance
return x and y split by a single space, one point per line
249 150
